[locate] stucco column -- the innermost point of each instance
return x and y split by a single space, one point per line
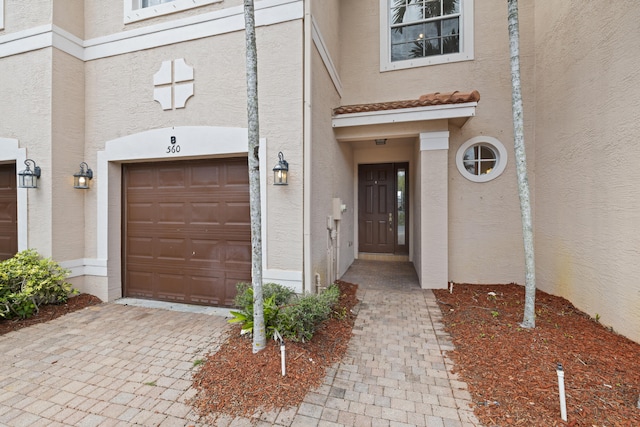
434 240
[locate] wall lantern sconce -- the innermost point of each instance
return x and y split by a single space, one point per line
281 171
81 179
29 178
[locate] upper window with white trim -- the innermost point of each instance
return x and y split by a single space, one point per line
415 33
137 10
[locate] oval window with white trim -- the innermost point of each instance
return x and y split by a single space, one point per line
481 159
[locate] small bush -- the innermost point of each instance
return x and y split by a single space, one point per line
299 320
274 296
28 281
295 317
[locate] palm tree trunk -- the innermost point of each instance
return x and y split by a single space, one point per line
529 320
259 338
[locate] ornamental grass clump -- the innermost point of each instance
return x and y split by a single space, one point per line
28 281
295 317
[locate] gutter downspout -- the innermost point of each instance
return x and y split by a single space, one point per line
306 152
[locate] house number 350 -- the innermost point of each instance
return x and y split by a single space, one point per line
173 148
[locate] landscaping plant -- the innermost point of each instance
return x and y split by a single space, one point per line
295 317
28 281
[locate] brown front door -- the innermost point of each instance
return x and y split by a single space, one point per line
187 235
376 188
8 211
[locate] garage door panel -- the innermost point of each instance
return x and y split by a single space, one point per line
172 249
171 287
142 213
8 211
205 250
141 179
171 177
238 252
200 290
189 242
237 174
203 176
238 213
140 283
172 213
205 213
140 247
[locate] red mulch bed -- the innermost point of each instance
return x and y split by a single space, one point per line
234 381
50 312
511 372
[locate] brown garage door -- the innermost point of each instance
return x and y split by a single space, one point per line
187 232
8 211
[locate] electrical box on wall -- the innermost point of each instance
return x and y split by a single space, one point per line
338 208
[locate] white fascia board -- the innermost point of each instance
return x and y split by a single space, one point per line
289 278
67 42
86 267
26 41
403 115
195 141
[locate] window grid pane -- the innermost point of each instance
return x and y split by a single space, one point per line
422 28
479 159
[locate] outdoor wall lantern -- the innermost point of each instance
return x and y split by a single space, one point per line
29 178
81 179
281 171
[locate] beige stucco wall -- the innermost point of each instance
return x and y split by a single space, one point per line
69 15
120 102
66 154
326 14
22 15
484 219
587 194
26 116
331 162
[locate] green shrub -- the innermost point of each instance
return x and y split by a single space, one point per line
28 281
299 320
274 296
295 317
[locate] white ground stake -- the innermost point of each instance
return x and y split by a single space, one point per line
277 336
563 403
282 358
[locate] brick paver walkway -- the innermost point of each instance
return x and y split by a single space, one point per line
106 365
115 365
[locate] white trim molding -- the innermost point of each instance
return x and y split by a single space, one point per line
290 279
1 14
434 141
495 145
85 267
326 56
268 12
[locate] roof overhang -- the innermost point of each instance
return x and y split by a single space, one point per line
457 114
